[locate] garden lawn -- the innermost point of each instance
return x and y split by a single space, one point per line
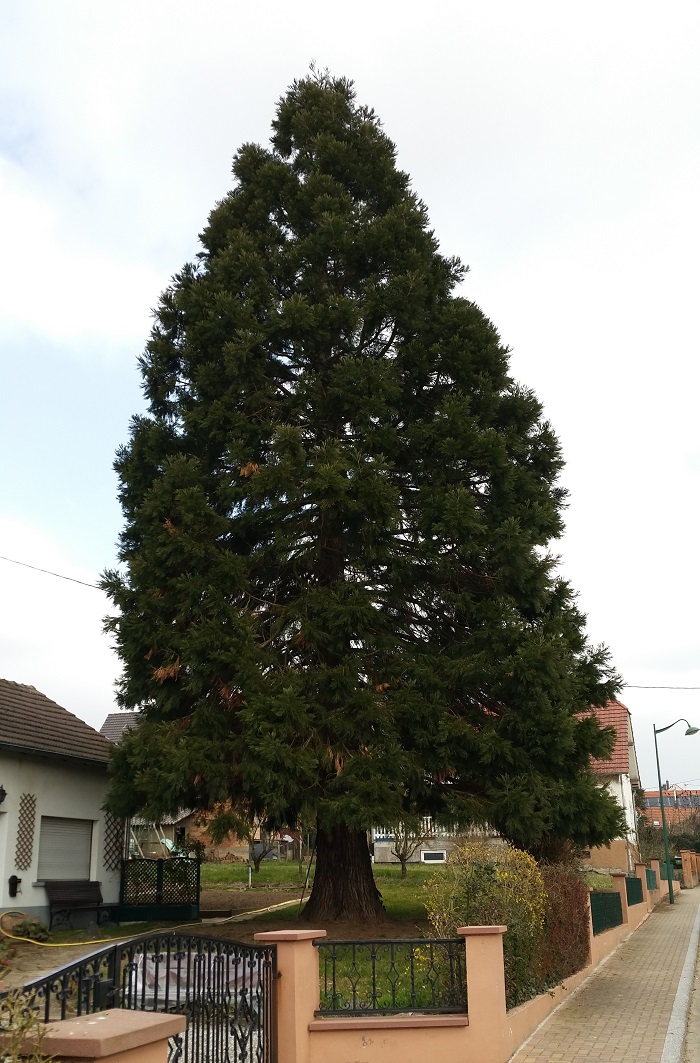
403 898
271 873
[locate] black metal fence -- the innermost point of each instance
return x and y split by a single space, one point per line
651 879
389 977
159 889
633 886
606 911
225 988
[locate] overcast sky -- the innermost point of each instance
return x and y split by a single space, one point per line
557 149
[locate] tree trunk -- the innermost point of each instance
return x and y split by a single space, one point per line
344 886
403 867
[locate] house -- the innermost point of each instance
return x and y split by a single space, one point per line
159 839
620 774
151 840
432 844
117 723
681 807
53 782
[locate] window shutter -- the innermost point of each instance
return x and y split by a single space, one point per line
64 848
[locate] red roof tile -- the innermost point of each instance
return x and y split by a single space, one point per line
616 715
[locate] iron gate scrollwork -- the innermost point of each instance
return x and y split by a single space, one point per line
225 988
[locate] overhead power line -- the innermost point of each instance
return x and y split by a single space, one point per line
71 579
48 572
636 686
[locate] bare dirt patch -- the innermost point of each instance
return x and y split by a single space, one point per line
239 899
32 961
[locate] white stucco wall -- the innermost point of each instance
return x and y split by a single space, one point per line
61 789
620 786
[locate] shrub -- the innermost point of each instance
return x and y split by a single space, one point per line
563 947
21 1031
483 885
6 954
33 929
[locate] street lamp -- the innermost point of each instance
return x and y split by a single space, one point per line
669 869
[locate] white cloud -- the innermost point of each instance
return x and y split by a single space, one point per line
61 287
51 629
556 148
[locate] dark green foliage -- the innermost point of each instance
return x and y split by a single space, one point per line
336 596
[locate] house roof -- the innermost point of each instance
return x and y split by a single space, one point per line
32 723
117 723
623 759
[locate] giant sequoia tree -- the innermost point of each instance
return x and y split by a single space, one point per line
336 597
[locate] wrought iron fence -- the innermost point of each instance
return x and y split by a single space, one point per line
389 977
606 911
225 988
633 886
651 879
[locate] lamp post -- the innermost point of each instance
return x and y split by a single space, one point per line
669 869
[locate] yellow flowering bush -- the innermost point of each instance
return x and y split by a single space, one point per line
487 884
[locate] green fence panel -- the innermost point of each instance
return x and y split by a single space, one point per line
635 894
606 911
651 880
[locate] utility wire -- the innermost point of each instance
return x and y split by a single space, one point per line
48 572
635 686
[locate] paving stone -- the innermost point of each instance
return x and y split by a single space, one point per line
622 1013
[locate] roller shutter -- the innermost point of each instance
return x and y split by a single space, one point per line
64 848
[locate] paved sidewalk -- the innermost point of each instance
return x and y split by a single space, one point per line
625 1011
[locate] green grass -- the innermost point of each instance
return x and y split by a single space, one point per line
108 932
271 873
596 880
401 976
403 898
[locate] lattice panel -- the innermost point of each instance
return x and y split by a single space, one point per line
114 842
173 881
25 832
180 881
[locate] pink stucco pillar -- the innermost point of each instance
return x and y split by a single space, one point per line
620 886
486 990
298 990
640 871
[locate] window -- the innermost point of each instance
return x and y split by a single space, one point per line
64 848
433 856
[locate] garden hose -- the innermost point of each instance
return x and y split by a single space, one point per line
44 944
104 941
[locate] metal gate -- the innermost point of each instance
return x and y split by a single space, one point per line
225 988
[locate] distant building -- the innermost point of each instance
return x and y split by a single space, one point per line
680 806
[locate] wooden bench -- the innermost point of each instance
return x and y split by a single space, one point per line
68 896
